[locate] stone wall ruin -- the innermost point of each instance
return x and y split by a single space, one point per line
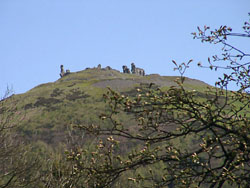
63 73
134 70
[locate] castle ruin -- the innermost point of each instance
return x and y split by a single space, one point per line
63 73
134 70
125 69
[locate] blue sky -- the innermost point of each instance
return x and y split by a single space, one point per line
37 36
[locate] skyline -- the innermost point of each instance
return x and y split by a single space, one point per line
38 36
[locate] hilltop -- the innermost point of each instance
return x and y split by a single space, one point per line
47 111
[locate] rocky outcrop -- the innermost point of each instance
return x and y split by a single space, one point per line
107 68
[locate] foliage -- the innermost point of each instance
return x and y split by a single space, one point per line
18 166
181 139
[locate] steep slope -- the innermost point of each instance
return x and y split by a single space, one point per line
47 111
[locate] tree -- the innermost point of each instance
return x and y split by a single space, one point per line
181 137
18 168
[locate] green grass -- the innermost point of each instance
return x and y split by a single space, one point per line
47 110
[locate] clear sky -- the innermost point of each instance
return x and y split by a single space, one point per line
37 36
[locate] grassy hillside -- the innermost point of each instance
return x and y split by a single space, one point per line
47 111
57 122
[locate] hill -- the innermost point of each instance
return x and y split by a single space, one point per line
46 112
81 132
